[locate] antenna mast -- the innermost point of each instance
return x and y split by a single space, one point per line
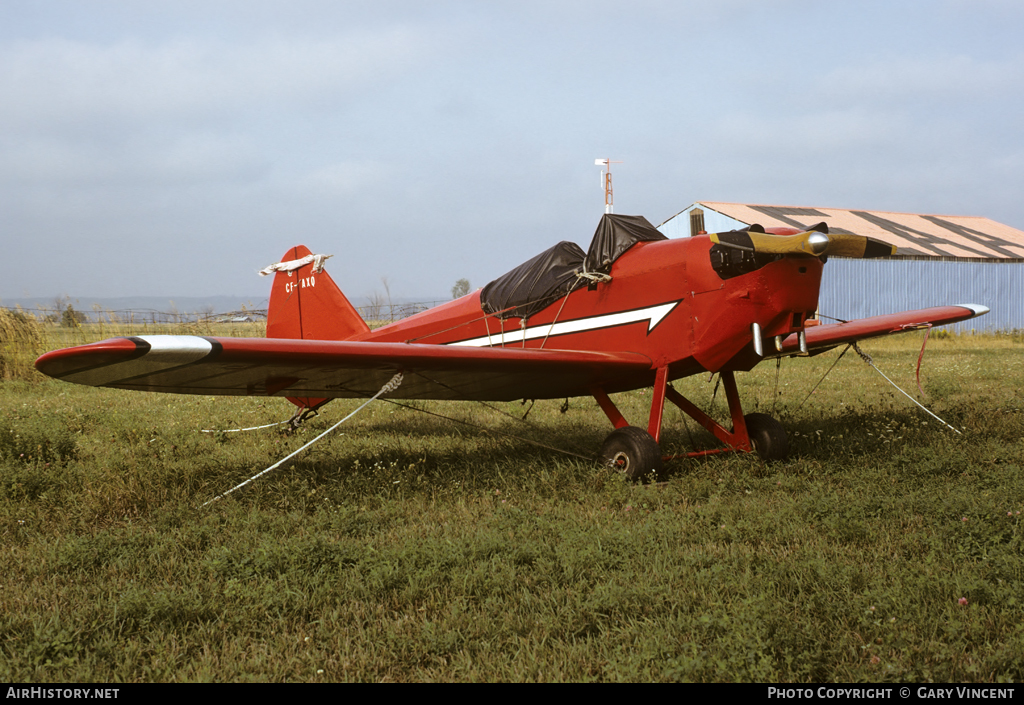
606 181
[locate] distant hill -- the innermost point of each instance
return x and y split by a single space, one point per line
176 304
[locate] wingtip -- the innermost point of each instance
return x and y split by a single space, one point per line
978 309
60 364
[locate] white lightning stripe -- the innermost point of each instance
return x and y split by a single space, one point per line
165 352
654 314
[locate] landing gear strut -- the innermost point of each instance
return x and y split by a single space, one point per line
630 448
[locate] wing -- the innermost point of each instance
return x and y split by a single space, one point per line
313 368
822 337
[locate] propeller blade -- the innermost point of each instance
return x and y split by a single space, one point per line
810 242
849 245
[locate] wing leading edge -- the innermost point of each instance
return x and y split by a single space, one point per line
832 334
330 369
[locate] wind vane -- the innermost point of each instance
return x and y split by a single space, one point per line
606 181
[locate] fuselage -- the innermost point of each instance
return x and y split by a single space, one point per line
665 301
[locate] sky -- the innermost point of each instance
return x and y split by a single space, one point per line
174 148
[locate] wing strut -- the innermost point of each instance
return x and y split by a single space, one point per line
735 440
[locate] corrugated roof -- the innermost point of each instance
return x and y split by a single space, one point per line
913 234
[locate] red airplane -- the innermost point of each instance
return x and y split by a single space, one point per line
636 310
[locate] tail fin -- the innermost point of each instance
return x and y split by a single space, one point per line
308 304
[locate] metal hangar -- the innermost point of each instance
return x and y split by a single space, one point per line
941 259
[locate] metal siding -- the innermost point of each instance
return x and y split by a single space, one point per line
852 288
677 226
714 222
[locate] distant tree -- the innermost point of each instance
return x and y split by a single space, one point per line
380 305
461 288
59 304
376 303
71 318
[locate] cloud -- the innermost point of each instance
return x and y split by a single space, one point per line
342 179
52 162
956 78
63 82
799 134
97 117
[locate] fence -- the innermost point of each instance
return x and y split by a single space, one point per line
68 316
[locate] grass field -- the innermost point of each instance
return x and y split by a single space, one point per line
411 548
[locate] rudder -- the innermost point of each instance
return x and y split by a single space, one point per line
307 304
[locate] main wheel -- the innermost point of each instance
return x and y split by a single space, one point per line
633 452
768 436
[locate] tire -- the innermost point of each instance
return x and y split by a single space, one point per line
767 436
633 452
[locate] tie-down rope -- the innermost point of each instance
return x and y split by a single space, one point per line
391 386
867 358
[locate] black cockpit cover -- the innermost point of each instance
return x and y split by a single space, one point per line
616 234
537 283
534 284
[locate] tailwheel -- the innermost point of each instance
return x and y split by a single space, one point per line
768 436
633 452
